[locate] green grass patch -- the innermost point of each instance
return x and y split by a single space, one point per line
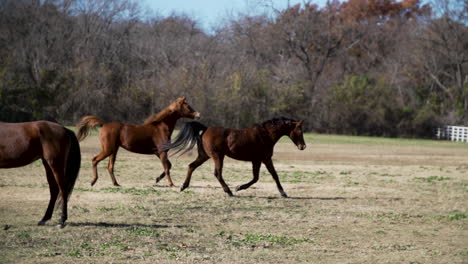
253 240
136 231
302 176
115 243
168 248
453 216
132 191
24 235
431 179
74 253
390 175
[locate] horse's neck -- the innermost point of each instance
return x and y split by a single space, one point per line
270 135
170 120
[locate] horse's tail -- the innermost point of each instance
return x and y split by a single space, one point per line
85 124
187 137
72 168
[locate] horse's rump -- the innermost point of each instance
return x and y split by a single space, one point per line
57 146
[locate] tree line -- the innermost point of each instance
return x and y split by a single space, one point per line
361 67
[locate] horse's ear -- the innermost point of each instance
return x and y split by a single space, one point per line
298 124
180 100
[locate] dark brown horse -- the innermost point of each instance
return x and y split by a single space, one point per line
143 139
252 144
55 145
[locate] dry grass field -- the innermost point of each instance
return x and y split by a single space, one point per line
352 200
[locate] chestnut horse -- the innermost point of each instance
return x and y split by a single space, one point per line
55 145
143 139
252 144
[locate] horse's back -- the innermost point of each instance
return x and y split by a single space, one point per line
241 144
23 143
135 138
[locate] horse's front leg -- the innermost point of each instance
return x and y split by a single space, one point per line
269 164
256 171
167 167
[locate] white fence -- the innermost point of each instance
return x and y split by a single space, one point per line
453 133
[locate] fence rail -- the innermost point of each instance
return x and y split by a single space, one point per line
453 133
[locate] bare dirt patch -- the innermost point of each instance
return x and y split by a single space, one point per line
353 200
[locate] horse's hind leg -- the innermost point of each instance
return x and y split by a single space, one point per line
95 162
54 191
110 167
195 164
163 174
271 169
167 168
218 160
256 171
158 179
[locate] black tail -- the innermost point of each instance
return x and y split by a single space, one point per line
73 163
187 137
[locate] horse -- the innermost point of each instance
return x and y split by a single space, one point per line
253 144
147 138
55 145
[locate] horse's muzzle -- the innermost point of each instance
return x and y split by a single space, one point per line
196 115
301 147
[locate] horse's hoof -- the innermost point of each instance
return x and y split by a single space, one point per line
283 194
41 223
238 188
116 185
92 183
61 225
230 194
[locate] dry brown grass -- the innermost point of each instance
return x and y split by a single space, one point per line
353 200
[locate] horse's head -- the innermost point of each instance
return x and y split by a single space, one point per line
296 134
184 109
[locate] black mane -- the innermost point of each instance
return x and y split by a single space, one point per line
278 120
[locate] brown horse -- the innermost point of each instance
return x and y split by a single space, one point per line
143 139
55 145
252 144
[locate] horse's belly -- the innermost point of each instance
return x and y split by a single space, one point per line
5 164
17 159
246 155
141 149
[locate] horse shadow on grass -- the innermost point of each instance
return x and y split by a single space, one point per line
125 225
332 198
270 197
321 198
292 198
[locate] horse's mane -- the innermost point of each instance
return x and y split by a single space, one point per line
158 117
277 120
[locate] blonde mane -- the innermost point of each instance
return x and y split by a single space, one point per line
158 117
